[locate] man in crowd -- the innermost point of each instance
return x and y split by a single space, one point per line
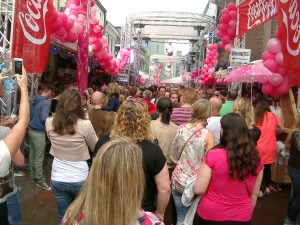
213 122
147 95
174 96
161 91
227 107
101 120
183 114
39 107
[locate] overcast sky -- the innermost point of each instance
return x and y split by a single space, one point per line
118 9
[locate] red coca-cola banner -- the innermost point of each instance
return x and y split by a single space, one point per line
31 33
252 13
289 35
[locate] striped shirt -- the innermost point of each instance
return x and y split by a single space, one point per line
181 115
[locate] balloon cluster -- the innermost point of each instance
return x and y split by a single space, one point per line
182 74
194 74
207 77
227 27
156 72
67 26
273 60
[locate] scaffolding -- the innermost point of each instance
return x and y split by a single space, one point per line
166 26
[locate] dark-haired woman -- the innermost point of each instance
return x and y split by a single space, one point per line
268 123
230 177
71 135
163 130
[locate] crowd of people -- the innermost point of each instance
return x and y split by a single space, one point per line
121 155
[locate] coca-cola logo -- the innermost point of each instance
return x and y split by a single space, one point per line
259 11
292 24
33 22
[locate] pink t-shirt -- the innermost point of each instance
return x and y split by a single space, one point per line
266 144
226 199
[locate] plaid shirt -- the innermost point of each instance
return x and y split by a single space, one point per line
148 218
145 218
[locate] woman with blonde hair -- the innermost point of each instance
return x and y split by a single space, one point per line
111 194
71 136
189 146
133 121
244 108
113 93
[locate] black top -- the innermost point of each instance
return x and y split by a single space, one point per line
54 104
254 134
294 159
154 161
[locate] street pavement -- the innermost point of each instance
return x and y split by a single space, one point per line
39 207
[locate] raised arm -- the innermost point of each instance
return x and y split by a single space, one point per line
14 139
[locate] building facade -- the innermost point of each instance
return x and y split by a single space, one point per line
112 35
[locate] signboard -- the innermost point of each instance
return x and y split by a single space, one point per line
289 35
239 56
31 33
123 77
252 13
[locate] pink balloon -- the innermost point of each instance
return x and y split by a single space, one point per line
233 14
231 32
283 88
76 28
226 39
223 27
231 6
224 18
282 71
279 58
272 65
97 29
63 18
69 25
273 45
57 24
267 88
224 11
220 33
276 79
61 31
267 55
232 24
228 47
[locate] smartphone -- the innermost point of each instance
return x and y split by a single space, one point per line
17 66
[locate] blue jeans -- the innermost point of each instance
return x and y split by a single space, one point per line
181 210
294 203
65 194
14 210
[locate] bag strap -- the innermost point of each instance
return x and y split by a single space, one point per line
246 186
185 144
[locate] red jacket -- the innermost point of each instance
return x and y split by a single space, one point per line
151 106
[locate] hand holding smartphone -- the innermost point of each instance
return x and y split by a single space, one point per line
18 66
